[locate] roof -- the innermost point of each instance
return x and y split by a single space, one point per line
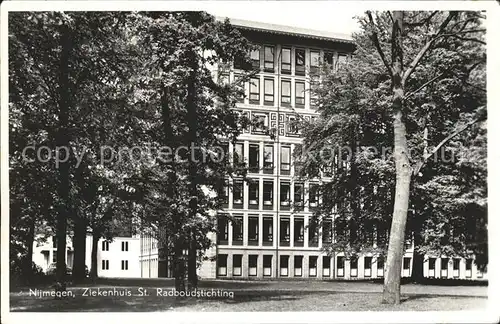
289 30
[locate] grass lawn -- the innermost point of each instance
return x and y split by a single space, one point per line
253 296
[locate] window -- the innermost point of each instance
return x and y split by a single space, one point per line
314 57
238 155
268 92
468 268
300 98
326 266
253 193
267 224
252 265
124 264
54 242
261 122
313 234
313 195
300 59
285 231
313 96
298 195
313 265
223 230
255 90
292 125
327 231
267 264
124 246
54 257
432 263
240 87
297 265
224 193
456 267
354 266
269 59
284 265
340 266
255 57
238 230
268 158
285 159
341 60
444 267
238 192
268 193
285 194
105 245
380 266
237 264
253 230
286 60
286 92
368 266
105 264
298 232
222 264
253 159
328 58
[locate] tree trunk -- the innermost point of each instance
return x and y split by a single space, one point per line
28 261
79 246
179 268
392 279
192 140
95 244
62 140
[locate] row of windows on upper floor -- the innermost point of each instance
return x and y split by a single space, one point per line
292 92
290 60
105 246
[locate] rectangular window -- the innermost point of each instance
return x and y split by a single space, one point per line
314 61
261 122
326 266
222 229
268 58
124 246
432 263
252 265
340 266
313 234
297 265
268 92
253 230
124 264
327 231
253 158
253 193
468 268
238 230
268 158
300 59
298 231
237 264
105 264
255 57
54 243
284 265
456 268
300 97
298 195
313 195
354 266
285 159
285 194
267 225
313 265
406 263
341 60
240 87
286 92
222 264
380 266
238 192
267 264
268 193
444 267
224 192
105 245
328 58
238 155
286 60
255 91
285 231
368 266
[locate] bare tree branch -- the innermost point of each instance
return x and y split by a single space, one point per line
376 43
424 85
423 21
426 157
426 47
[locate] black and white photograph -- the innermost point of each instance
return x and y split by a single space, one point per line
249 158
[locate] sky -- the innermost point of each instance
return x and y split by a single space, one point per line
319 15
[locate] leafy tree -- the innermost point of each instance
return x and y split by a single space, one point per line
419 103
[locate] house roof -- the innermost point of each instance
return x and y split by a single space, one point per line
290 30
